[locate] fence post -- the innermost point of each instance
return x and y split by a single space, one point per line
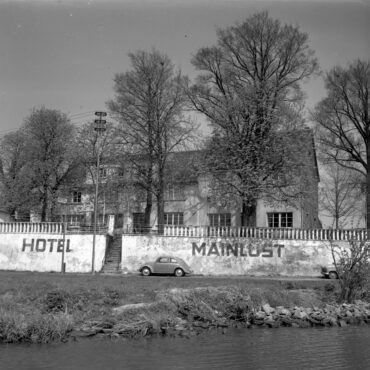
63 266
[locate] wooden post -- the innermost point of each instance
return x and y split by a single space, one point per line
63 266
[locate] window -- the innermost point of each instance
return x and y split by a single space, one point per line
120 172
102 218
174 218
74 219
164 260
219 219
102 172
280 219
174 192
76 197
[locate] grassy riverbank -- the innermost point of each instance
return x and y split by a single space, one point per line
44 307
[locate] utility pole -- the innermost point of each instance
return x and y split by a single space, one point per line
63 266
99 128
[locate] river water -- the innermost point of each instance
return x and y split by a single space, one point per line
275 349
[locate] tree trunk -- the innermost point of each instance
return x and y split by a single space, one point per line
248 216
160 213
149 199
54 206
368 186
44 203
148 211
160 200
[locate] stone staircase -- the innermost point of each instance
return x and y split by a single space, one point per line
112 263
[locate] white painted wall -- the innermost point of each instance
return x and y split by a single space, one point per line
210 256
43 252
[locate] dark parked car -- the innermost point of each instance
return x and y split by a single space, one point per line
166 265
329 272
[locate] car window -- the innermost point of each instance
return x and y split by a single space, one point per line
163 260
173 260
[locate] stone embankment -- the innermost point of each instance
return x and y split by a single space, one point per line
186 312
330 315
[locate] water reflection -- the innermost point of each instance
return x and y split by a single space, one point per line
284 348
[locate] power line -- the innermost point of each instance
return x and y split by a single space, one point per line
81 114
76 119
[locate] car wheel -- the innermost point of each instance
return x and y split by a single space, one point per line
145 271
179 272
333 275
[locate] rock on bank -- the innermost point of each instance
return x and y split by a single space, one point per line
189 312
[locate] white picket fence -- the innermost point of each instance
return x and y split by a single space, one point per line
48 228
200 231
267 233
31 228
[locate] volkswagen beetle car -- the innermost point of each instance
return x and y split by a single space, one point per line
166 265
329 272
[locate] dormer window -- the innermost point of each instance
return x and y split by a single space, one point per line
76 197
174 192
102 172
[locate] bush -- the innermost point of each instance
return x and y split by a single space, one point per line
353 268
56 301
62 301
35 328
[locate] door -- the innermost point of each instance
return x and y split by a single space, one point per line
118 221
138 222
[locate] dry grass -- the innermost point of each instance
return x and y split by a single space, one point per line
43 307
17 326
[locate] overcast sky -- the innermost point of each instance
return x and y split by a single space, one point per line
64 54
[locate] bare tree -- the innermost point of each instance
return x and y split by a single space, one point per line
149 106
43 159
93 144
340 194
248 86
352 264
15 183
343 119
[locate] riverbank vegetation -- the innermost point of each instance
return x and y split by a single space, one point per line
45 307
352 264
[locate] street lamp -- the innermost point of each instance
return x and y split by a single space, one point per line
99 128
